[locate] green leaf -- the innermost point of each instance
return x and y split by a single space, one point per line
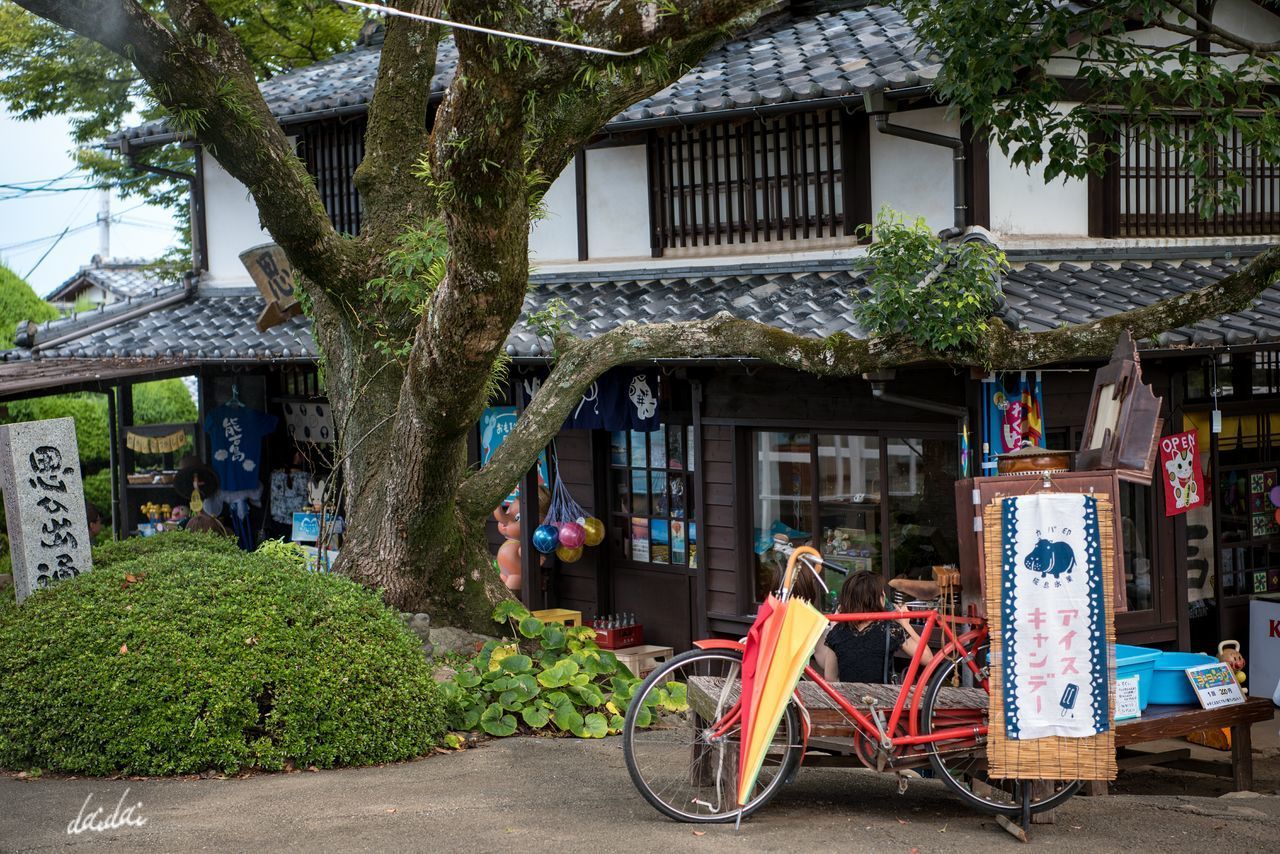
532 627
534 717
496 722
595 726
553 636
559 675
509 609
467 678
517 664
567 718
590 694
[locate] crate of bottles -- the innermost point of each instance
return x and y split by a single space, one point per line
617 631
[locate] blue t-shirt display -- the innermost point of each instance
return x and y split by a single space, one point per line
236 434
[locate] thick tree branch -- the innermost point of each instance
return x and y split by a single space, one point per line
581 362
397 133
200 73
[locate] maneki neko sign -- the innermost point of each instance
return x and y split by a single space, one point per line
1180 471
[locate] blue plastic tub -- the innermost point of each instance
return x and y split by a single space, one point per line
1137 661
1170 685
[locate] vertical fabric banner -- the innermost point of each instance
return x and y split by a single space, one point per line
1050 568
1012 418
1055 648
1180 470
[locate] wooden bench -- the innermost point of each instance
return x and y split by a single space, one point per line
1159 722
833 733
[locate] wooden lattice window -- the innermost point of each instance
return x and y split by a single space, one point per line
332 151
1147 191
760 179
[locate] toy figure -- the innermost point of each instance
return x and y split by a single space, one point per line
508 516
1229 654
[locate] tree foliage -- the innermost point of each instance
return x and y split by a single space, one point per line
49 70
1056 81
939 294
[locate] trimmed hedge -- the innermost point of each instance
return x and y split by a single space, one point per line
180 653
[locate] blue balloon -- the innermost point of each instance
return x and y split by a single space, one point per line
546 538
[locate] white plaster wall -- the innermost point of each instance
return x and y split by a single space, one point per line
618 203
555 236
914 177
1022 203
1248 19
231 223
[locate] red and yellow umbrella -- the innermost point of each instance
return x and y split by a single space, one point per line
778 647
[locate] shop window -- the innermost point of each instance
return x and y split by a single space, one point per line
1248 474
844 511
1136 542
652 503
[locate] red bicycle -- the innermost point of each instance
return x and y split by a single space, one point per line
683 724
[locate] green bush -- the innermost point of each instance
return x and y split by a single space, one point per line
179 653
553 678
17 303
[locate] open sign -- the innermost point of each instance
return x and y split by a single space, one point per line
1180 470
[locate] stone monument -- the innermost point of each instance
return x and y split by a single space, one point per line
44 503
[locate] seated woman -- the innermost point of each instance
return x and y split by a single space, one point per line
806 586
861 652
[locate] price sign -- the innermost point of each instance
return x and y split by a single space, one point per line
1215 685
1127 706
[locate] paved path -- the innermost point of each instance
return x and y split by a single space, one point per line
573 796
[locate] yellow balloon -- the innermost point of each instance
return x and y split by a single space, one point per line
594 529
568 555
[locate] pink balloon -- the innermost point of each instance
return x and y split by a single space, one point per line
1275 496
572 535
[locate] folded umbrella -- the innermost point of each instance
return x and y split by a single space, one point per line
792 628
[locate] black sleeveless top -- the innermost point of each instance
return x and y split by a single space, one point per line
861 653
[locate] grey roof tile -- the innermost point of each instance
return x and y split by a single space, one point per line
807 298
855 50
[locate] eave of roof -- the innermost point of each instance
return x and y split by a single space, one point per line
827 59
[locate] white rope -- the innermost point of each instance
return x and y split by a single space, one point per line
387 10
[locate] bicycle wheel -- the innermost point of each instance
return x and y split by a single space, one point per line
961 763
679 762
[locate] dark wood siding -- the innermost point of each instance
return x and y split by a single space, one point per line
716 551
574 584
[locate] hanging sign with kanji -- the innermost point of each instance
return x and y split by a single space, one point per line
1180 470
44 503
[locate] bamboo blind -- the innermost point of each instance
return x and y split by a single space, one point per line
1055 757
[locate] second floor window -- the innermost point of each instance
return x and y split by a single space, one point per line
332 151
756 180
1147 191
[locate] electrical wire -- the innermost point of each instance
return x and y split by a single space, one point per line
46 253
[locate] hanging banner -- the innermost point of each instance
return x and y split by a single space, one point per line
1054 618
1012 417
620 399
495 425
1183 480
139 441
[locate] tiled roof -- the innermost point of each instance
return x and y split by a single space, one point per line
1042 298
199 327
123 278
815 301
843 53
811 298
830 55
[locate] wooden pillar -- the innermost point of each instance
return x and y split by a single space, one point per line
123 460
